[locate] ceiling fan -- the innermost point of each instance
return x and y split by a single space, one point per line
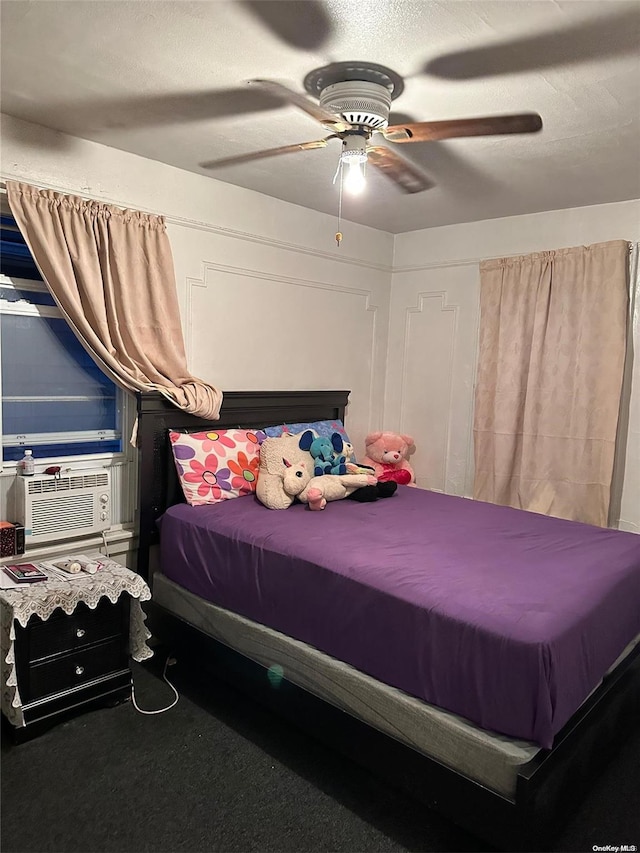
354 103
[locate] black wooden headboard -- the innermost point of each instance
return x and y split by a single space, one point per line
158 486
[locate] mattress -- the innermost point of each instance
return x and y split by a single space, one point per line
506 618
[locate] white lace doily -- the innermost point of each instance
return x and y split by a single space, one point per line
42 598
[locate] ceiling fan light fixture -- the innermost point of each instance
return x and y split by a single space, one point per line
354 179
353 161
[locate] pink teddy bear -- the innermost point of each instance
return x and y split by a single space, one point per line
386 453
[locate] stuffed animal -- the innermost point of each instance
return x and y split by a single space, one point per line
349 451
327 452
386 453
316 491
282 459
346 464
277 455
354 467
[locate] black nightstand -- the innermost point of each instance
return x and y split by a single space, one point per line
73 661
66 662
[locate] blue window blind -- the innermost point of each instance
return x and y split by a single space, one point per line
15 256
55 399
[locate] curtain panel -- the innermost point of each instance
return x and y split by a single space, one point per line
111 273
552 348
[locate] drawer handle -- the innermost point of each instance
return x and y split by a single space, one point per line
80 633
79 669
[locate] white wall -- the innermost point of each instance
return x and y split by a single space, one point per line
434 334
267 299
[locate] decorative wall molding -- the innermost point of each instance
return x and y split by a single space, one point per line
210 266
418 308
436 265
278 244
249 272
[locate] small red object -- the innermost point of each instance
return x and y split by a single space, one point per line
52 469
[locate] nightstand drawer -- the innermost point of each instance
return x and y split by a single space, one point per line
62 633
73 670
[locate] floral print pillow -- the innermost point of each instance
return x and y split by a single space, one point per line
217 465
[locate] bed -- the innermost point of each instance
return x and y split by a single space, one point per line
498 736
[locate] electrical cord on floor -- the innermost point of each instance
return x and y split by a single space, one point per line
106 547
169 662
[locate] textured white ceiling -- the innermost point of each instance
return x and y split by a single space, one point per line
167 80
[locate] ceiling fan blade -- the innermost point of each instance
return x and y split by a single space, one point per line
400 118
329 120
396 168
300 23
613 34
268 152
427 131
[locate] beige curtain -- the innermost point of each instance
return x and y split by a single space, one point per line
551 359
111 273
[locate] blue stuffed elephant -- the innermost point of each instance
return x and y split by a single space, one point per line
327 453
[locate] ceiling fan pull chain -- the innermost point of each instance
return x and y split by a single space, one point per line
340 171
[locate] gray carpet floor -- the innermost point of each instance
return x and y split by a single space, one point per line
218 773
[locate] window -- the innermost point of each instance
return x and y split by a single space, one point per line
55 399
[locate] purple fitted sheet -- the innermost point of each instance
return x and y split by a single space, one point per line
506 617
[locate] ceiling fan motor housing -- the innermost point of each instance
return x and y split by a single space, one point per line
361 104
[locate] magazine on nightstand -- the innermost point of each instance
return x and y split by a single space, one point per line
25 573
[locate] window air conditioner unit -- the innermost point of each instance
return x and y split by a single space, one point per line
77 504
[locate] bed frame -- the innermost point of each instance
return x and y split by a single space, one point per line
547 787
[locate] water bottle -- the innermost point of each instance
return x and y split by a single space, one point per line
27 465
